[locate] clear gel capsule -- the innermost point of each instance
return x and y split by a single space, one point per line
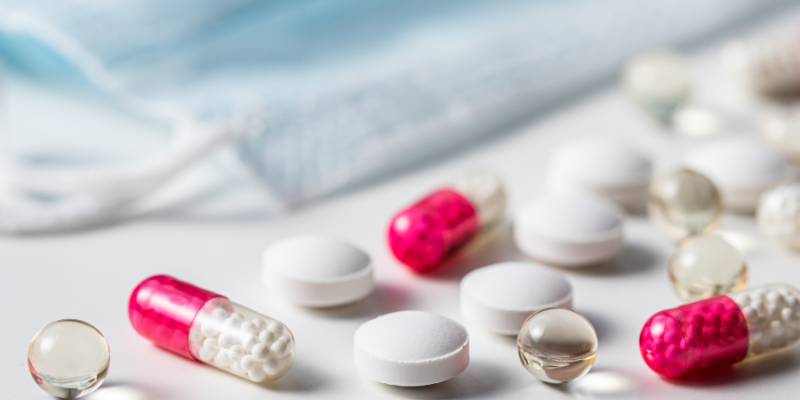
658 82
721 331
204 326
684 203
779 214
557 345
705 266
423 235
69 358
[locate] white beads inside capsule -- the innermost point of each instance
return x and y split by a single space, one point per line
773 317
241 341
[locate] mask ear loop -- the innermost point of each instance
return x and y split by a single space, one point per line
90 197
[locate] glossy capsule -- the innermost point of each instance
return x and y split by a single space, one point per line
204 326
721 331
425 234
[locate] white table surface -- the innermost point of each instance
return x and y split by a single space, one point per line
217 244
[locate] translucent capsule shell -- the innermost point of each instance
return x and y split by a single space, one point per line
423 235
721 331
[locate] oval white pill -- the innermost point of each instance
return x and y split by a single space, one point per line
317 271
411 348
743 168
569 230
501 296
609 169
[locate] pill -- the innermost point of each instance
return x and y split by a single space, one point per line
688 340
557 345
658 82
781 128
772 65
778 214
610 169
569 230
706 265
684 203
500 297
411 348
177 316
742 168
317 271
69 358
423 235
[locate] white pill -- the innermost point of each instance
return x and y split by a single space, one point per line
411 348
569 230
317 271
501 296
613 170
742 168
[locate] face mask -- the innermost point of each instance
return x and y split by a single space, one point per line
319 96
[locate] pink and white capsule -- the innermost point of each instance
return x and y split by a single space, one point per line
721 331
204 326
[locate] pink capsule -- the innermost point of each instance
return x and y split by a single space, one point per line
721 331
204 326
423 235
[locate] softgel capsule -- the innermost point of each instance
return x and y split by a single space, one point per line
721 331
204 326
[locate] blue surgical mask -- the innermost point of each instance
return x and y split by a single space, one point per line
348 90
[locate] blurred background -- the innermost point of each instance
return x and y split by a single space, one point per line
149 137
310 99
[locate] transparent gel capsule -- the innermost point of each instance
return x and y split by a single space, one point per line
684 203
69 358
779 214
705 266
557 345
658 82
781 128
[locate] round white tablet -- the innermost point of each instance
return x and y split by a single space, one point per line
411 348
743 168
610 169
569 230
501 296
317 271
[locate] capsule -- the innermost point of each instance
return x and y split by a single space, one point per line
423 235
204 326
721 331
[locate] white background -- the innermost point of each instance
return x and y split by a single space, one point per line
215 241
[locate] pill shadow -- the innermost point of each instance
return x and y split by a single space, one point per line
385 298
768 367
122 390
481 379
636 258
492 246
301 378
